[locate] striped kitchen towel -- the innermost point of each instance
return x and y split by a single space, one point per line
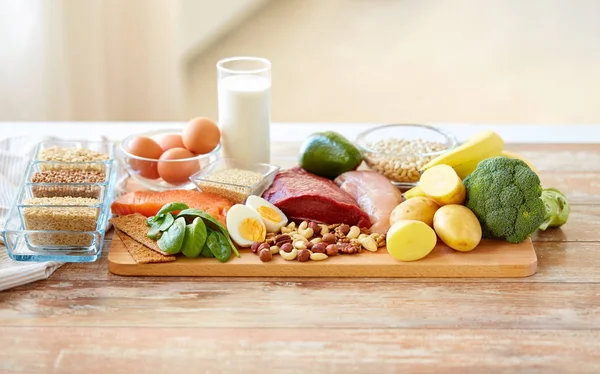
15 154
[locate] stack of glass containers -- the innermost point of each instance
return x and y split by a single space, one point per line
62 207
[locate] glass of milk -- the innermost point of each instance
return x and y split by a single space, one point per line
244 87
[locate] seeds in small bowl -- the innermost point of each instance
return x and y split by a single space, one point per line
400 151
405 169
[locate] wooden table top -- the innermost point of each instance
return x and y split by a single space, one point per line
84 319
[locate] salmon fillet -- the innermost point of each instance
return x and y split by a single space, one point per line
148 203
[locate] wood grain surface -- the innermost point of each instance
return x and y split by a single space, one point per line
491 259
85 319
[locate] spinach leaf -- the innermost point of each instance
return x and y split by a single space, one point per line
153 219
172 239
223 251
171 207
166 222
195 237
155 230
218 246
206 251
211 222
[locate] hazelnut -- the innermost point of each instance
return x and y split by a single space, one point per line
287 247
263 246
265 255
314 226
309 245
319 248
332 250
254 247
344 229
303 255
329 238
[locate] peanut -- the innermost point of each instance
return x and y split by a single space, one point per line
299 244
316 240
274 250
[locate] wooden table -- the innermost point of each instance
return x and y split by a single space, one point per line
86 320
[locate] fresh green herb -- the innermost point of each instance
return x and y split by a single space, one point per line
217 243
171 207
212 223
195 237
172 239
166 222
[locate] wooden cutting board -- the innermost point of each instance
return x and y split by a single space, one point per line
491 259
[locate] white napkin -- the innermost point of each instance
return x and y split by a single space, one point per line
15 154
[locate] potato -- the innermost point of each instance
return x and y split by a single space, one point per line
458 227
418 208
442 185
410 240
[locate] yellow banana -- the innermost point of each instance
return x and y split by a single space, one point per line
519 157
413 192
464 158
463 170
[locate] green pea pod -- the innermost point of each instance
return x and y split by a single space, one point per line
212 223
172 239
218 245
166 222
171 207
155 230
195 237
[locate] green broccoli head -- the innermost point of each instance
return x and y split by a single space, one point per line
504 194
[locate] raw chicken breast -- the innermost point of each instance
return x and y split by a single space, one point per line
375 195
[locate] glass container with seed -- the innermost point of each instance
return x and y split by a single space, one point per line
235 179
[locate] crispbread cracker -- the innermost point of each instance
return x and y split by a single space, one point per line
136 227
140 253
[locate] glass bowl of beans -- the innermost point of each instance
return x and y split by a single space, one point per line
400 151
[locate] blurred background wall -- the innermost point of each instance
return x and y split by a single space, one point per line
492 61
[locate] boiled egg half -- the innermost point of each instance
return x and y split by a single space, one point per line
245 225
272 216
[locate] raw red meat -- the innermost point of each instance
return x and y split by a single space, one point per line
305 196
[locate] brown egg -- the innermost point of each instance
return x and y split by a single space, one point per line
147 148
201 135
177 172
169 141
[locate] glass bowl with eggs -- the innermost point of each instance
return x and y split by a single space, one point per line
166 159
399 151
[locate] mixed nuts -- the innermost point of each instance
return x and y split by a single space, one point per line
316 242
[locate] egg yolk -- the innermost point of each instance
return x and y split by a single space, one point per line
268 213
251 229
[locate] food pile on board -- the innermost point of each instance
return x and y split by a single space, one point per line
328 205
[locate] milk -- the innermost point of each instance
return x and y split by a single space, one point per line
245 117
